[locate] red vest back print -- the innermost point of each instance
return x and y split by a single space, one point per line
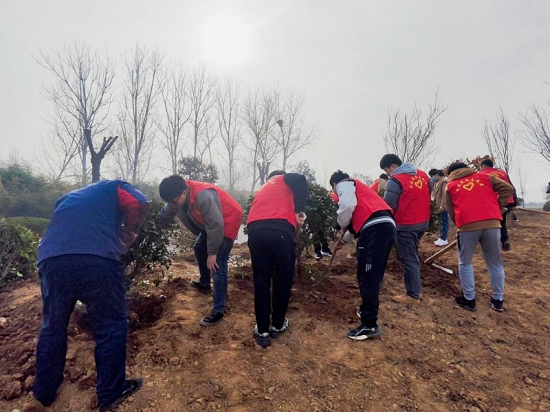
274 200
414 202
232 212
473 199
368 202
501 174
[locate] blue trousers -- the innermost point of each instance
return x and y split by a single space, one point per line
443 218
220 275
98 283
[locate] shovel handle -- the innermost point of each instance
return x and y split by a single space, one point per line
441 252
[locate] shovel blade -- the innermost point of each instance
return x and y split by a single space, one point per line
446 270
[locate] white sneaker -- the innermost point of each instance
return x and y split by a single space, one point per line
441 242
437 241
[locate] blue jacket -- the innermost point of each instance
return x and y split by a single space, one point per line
89 220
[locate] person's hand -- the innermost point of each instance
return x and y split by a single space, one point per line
127 238
301 218
441 209
211 263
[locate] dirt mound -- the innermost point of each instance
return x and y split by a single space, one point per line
432 357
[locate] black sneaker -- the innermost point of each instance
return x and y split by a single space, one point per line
262 338
211 319
201 288
514 217
133 385
363 332
506 246
275 333
468 304
326 253
497 305
318 256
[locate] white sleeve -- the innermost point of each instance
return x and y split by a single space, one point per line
347 201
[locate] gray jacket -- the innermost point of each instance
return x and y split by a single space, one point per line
209 205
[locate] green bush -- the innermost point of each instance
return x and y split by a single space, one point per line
37 224
546 206
152 249
17 251
434 221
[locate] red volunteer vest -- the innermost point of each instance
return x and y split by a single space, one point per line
368 202
414 202
374 186
501 174
473 199
232 212
274 200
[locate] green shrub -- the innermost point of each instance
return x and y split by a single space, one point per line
546 206
17 251
152 249
37 224
434 220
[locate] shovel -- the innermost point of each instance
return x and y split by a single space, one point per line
430 260
338 242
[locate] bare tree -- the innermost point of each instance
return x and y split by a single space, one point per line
499 141
97 156
82 91
229 124
176 114
536 135
521 181
62 147
293 134
410 136
259 116
201 93
136 117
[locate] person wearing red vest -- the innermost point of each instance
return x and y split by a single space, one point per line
278 207
379 185
215 217
408 194
487 167
474 206
362 211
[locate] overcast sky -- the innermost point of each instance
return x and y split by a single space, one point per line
352 60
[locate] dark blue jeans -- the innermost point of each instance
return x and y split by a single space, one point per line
220 276
443 218
98 283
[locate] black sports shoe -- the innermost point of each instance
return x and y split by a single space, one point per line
363 332
133 385
497 305
468 304
326 252
318 256
211 319
505 246
197 285
262 338
275 333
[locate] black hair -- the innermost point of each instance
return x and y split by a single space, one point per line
337 177
172 187
434 172
276 173
487 162
383 176
388 160
456 165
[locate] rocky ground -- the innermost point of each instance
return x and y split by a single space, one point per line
432 357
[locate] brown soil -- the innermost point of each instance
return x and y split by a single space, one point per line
433 357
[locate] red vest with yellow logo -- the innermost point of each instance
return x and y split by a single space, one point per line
232 212
274 200
368 202
414 202
501 174
473 199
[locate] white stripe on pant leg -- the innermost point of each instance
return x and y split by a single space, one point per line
368 267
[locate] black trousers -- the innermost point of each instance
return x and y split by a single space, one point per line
273 254
504 229
373 248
